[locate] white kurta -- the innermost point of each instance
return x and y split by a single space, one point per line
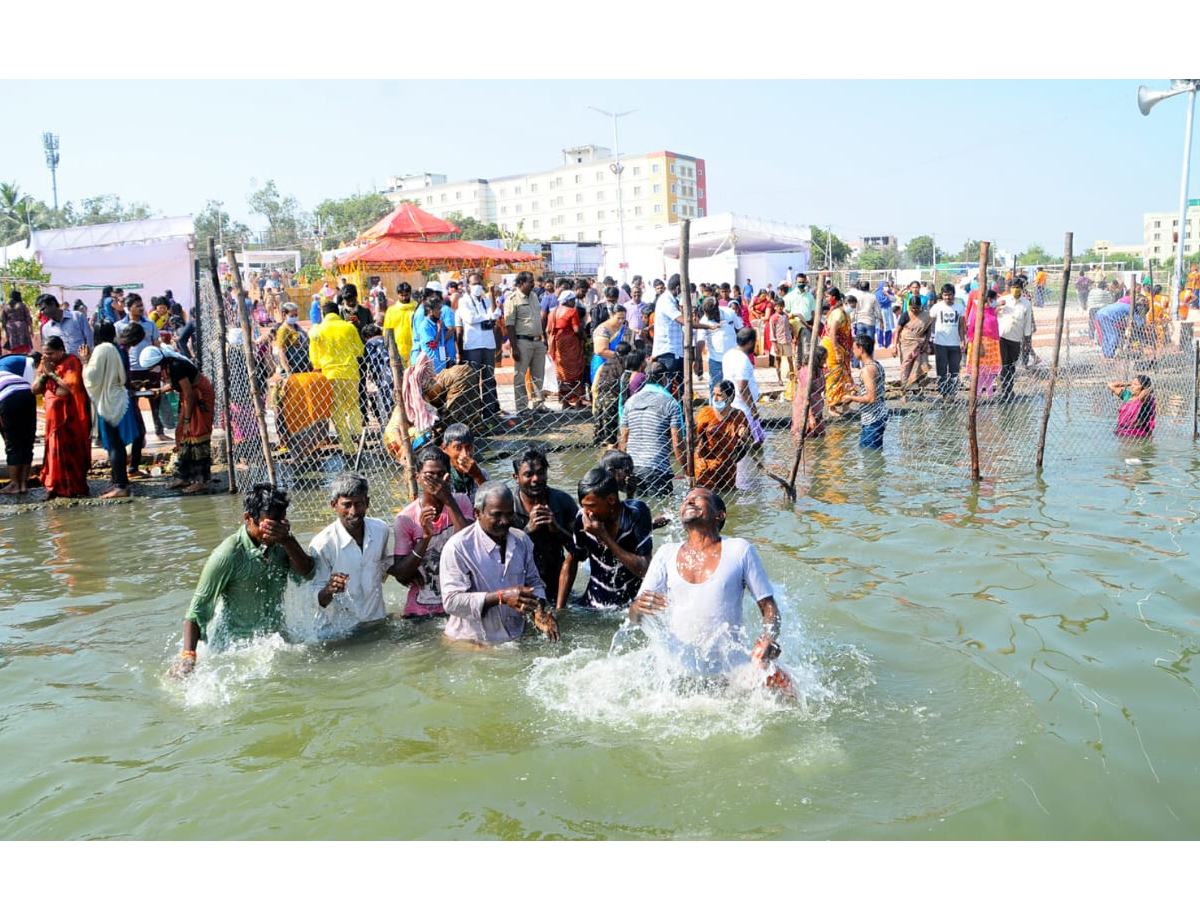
336 551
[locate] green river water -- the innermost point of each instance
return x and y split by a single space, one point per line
1007 661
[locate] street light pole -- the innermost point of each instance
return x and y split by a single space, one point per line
617 169
1146 101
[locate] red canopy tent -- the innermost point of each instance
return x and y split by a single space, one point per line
411 222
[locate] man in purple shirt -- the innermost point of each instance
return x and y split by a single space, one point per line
489 580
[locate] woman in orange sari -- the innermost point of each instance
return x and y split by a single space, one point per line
839 344
722 439
565 345
68 442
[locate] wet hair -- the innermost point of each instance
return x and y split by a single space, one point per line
54 342
616 461
598 481
430 453
529 455
487 491
457 434
348 484
747 336
264 499
866 342
133 335
106 333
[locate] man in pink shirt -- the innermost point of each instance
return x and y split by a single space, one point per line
423 528
488 577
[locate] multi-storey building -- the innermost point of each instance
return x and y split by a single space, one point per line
1160 233
576 201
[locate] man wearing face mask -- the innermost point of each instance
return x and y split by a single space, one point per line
477 313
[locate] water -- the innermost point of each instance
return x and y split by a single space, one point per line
1007 661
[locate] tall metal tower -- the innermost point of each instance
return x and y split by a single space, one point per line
50 142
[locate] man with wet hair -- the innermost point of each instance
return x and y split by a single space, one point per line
353 557
246 575
488 577
466 475
615 536
547 515
702 580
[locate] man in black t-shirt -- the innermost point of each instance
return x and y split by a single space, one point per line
547 515
616 535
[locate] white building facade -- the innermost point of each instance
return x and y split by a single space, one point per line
576 201
1160 229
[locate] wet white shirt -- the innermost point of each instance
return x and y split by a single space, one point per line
336 551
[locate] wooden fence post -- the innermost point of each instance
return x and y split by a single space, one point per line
222 363
260 414
1058 336
976 346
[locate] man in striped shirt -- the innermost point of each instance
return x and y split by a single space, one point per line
615 535
651 427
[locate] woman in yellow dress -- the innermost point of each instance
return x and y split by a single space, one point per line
838 343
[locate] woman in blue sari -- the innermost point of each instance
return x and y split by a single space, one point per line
606 337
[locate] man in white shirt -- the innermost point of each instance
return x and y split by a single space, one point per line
353 556
668 332
477 314
1014 315
718 339
867 314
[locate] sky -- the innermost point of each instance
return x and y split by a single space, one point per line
1014 162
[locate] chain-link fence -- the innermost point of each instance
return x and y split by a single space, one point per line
345 416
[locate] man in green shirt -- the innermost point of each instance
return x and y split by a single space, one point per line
247 574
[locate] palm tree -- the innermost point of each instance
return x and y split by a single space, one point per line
14 214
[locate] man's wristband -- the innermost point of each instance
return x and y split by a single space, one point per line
188 654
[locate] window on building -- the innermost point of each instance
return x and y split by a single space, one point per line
517 190
578 217
674 188
429 200
517 208
599 195
1174 223
533 188
1158 223
443 198
534 226
503 210
658 188
700 193
657 208
579 179
599 215
503 192
458 195
654 169
637 190
673 172
675 208
1158 235
637 170
1157 251
637 210
579 236
534 206
600 175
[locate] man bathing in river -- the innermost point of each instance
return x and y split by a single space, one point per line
489 580
247 574
697 586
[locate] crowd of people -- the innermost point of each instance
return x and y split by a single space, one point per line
491 558
92 373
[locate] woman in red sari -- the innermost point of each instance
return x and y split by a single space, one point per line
722 439
565 345
68 443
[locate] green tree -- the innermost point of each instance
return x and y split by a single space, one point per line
1035 255
839 250
105 208
970 252
287 222
921 251
345 219
514 239
473 230
213 222
19 213
872 259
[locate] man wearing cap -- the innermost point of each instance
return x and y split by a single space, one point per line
72 328
524 316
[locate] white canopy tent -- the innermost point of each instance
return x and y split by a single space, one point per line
154 253
723 247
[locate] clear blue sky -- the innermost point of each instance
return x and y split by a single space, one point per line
1014 162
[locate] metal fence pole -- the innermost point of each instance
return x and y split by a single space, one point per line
260 416
222 367
689 353
1058 336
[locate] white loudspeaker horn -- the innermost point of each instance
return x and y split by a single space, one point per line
1147 98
